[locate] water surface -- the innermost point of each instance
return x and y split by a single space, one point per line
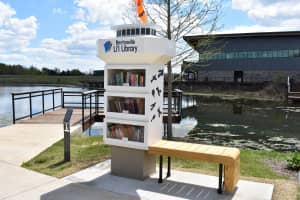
231 123
247 125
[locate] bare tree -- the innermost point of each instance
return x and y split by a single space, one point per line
178 18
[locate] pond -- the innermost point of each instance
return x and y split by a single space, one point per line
253 125
22 106
241 124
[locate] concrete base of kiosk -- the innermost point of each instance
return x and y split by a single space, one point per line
132 163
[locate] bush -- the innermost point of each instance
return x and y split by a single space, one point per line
293 163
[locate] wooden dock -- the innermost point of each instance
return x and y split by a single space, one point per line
57 117
87 109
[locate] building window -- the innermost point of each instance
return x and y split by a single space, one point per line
291 53
119 33
137 31
123 32
147 31
128 32
251 55
133 31
270 54
143 31
153 32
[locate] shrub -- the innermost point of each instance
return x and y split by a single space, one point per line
293 163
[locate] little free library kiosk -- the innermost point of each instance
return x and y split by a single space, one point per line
133 81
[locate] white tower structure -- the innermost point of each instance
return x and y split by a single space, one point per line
133 81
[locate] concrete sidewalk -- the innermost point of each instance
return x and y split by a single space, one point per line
21 142
181 185
96 183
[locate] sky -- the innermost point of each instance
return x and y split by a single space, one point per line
62 33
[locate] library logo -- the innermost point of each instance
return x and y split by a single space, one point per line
107 46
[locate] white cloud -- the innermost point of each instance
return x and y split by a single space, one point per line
59 11
271 12
5 12
102 11
268 15
80 40
15 33
77 50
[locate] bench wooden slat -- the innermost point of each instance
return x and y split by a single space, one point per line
230 157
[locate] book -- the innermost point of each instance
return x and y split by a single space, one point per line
141 81
136 83
132 79
140 106
128 78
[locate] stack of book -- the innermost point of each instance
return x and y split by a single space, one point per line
127 105
128 78
128 132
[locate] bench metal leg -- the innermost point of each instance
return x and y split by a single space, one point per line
160 169
220 189
169 167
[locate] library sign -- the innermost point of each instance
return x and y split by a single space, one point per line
121 46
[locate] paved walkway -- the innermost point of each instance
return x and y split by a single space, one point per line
181 185
21 142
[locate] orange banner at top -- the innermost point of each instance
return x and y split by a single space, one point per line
141 11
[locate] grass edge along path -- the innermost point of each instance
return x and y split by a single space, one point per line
85 152
88 151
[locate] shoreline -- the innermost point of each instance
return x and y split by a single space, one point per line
233 97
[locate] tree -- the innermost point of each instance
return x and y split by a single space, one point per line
178 18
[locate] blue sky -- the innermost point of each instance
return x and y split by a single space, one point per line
63 33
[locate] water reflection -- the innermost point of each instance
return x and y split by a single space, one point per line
255 126
95 129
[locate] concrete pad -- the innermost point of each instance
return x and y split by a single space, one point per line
21 142
181 185
16 180
79 191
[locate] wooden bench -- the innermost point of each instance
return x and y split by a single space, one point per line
227 158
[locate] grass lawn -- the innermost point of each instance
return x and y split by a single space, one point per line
87 151
252 164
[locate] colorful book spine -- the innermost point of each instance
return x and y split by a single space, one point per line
141 81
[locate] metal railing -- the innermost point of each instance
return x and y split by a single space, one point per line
176 101
89 101
33 95
291 86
